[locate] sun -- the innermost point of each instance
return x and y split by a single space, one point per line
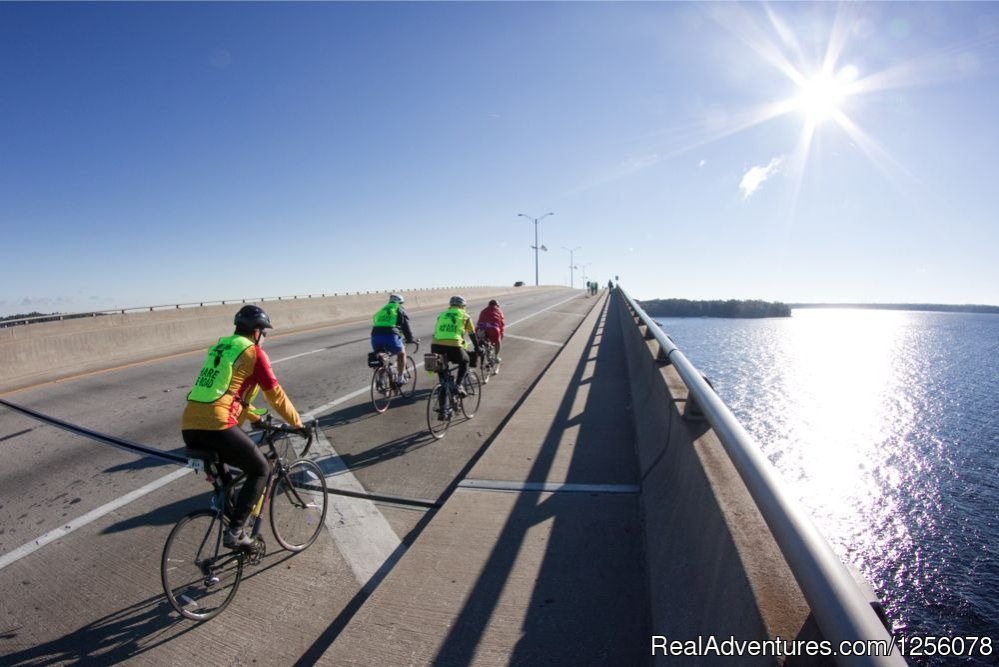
821 96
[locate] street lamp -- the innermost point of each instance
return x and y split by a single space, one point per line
536 246
571 263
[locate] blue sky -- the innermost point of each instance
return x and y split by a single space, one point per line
161 153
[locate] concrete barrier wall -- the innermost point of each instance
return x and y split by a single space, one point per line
35 353
714 568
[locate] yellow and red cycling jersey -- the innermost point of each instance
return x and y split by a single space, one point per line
251 370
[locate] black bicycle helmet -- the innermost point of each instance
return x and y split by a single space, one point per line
251 317
493 302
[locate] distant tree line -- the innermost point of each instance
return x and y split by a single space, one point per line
730 308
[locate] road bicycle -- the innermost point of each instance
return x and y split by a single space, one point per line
444 401
489 361
200 576
385 380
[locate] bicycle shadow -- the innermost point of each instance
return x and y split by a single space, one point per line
164 515
124 634
377 454
355 414
350 415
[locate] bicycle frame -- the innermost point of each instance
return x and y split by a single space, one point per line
200 585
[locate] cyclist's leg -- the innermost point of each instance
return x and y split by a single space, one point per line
235 447
400 354
492 333
459 356
445 351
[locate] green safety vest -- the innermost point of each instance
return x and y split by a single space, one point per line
450 325
388 316
216 374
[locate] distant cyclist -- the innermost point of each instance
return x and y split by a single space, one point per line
219 403
391 320
491 324
449 337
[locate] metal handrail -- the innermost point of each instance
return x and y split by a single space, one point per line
55 317
841 609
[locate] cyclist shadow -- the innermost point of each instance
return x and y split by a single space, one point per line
349 415
119 636
363 411
383 452
164 515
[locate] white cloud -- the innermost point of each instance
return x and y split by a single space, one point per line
702 163
756 176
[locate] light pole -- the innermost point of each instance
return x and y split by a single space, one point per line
535 246
571 263
583 268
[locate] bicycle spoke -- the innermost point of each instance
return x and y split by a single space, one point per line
407 389
199 576
473 391
381 392
438 418
298 505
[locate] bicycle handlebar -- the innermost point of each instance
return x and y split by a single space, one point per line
269 426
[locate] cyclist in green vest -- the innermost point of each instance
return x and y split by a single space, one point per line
391 320
449 337
219 403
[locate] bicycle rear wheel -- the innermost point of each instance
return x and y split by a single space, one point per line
199 575
473 391
438 419
298 505
381 391
486 362
407 388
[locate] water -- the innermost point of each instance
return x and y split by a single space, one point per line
884 425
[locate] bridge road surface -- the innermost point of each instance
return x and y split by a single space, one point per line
93 594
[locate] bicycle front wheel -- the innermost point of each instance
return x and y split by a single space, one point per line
438 415
199 575
381 390
406 389
473 391
298 505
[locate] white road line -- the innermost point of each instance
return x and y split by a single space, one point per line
362 534
296 356
554 305
535 340
89 517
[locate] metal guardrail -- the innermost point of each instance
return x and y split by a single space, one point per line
840 608
55 317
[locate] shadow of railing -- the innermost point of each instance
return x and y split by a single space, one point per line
589 604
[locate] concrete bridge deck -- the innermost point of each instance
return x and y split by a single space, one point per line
574 518
533 554
537 556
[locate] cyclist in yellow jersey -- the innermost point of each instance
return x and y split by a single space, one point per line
449 337
219 403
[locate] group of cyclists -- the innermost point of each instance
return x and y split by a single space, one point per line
236 369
